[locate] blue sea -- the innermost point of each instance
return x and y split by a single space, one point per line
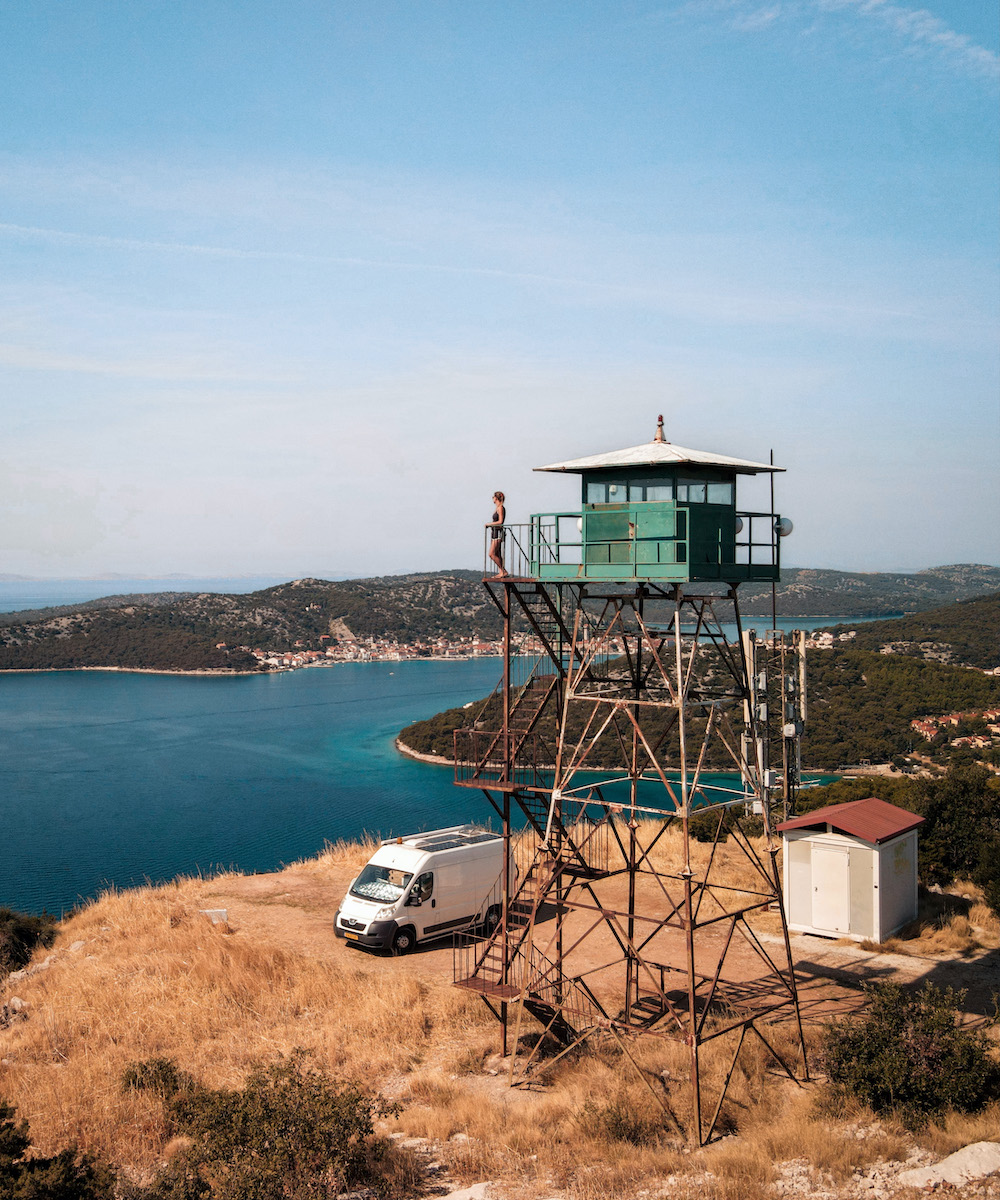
121 778
117 778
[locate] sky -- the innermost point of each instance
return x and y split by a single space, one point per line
291 288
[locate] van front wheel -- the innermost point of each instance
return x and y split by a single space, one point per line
492 919
404 941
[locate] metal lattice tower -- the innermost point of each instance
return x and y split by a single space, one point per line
628 684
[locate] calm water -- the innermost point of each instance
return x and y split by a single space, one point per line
120 777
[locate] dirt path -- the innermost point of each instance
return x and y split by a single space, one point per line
295 908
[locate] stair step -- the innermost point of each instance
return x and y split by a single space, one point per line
488 987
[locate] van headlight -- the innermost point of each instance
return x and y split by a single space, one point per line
384 914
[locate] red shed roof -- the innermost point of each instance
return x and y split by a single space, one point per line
873 820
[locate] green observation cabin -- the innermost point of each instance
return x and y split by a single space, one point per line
657 512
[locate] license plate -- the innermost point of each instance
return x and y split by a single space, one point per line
351 937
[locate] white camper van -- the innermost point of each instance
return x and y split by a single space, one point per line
424 886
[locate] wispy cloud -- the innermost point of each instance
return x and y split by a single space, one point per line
662 284
96 240
915 29
30 358
757 18
921 30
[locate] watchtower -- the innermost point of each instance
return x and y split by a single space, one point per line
628 685
657 512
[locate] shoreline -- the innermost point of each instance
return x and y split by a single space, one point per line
439 761
225 671
408 752
220 671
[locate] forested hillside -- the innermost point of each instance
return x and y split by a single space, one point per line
860 708
804 592
183 635
180 631
967 633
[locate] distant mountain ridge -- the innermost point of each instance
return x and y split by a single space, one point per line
181 630
807 592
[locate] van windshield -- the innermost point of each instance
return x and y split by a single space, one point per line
381 883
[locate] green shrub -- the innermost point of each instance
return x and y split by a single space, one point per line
908 1057
703 826
20 933
289 1131
159 1075
68 1175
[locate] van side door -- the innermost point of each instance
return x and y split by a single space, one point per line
420 903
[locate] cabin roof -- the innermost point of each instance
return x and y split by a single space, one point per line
659 454
872 820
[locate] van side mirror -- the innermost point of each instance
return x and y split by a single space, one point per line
413 901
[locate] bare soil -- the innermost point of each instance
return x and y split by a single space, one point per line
295 909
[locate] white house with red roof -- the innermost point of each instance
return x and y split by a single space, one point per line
850 870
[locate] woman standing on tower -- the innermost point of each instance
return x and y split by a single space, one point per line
496 542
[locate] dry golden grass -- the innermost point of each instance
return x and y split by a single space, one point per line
832 1149
954 923
156 979
341 853
960 1129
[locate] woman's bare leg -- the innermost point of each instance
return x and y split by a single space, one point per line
495 556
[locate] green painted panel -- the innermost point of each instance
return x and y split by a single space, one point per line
607 572
620 552
667 571
661 522
557 571
606 526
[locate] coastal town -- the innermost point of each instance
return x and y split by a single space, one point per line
375 649
348 648
372 649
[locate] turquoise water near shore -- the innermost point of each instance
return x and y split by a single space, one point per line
118 778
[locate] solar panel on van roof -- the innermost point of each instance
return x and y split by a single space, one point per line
453 841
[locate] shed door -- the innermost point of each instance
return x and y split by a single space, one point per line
831 880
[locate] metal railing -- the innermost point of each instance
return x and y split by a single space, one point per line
757 541
488 758
556 540
515 551
527 973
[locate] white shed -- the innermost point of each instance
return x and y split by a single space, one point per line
850 870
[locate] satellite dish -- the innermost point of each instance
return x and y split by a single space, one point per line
783 527
739 524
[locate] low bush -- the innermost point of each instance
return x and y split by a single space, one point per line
909 1058
289 1131
705 826
620 1120
159 1075
20 933
69 1175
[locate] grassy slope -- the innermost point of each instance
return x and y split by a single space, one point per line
154 979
